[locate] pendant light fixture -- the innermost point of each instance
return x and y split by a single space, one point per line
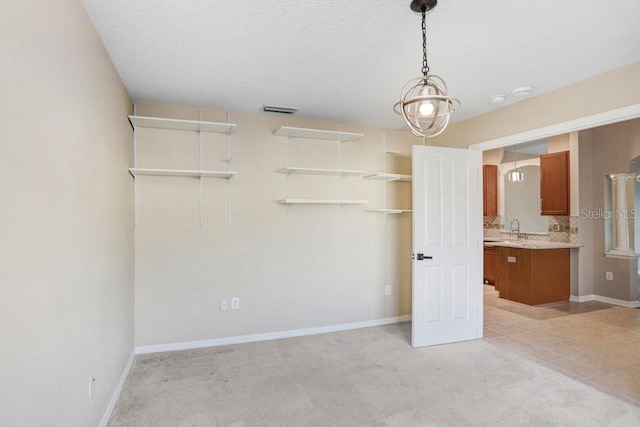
515 174
424 104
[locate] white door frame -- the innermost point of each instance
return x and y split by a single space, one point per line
583 123
608 117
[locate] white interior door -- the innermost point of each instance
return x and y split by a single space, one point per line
447 245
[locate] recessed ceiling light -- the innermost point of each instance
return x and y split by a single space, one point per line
497 99
522 91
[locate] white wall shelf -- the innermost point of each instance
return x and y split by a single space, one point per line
315 171
329 135
389 177
321 202
390 211
397 153
179 124
337 137
198 126
177 172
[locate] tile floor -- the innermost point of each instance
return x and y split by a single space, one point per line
592 342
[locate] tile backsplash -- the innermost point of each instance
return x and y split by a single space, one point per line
561 229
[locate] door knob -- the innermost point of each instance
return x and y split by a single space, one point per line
421 257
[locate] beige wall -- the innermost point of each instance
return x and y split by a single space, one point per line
492 157
66 307
292 268
558 143
608 91
611 148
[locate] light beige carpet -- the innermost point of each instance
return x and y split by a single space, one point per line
364 377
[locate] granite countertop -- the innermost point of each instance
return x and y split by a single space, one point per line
527 244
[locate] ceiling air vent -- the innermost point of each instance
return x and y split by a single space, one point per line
276 109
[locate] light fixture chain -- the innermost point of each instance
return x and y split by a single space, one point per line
425 105
425 65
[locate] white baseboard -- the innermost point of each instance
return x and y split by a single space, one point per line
615 301
582 298
612 301
116 393
268 336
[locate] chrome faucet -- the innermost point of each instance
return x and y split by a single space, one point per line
516 229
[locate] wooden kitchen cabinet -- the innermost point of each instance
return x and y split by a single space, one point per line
490 265
554 183
490 190
533 276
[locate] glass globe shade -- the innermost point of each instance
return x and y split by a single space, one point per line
425 106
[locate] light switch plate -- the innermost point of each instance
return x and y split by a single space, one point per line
511 259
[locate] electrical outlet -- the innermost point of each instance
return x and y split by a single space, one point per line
235 303
609 275
92 381
223 304
387 290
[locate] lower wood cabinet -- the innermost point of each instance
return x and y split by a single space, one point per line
490 265
533 276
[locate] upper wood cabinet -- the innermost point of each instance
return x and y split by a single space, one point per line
490 190
554 183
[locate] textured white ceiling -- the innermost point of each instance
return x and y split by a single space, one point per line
347 61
